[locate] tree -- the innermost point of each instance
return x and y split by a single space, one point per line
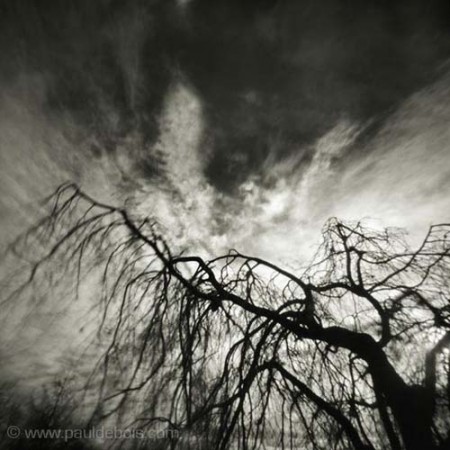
237 352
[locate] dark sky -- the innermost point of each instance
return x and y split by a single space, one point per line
272 76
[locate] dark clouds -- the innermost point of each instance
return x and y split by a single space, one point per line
276 79
272 76
101 65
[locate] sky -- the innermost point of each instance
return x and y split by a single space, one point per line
236 124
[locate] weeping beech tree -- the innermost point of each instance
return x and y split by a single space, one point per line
236 352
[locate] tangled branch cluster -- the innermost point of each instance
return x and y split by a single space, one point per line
236 352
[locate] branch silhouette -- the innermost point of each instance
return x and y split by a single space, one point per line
237 352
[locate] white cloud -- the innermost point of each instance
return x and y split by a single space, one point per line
399 179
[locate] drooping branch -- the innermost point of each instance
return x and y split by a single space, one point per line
206 341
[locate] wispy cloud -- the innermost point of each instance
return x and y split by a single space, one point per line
400 178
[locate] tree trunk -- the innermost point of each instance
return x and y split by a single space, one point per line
414 414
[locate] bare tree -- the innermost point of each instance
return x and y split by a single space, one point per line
237 352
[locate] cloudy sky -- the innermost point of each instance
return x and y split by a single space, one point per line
241 124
